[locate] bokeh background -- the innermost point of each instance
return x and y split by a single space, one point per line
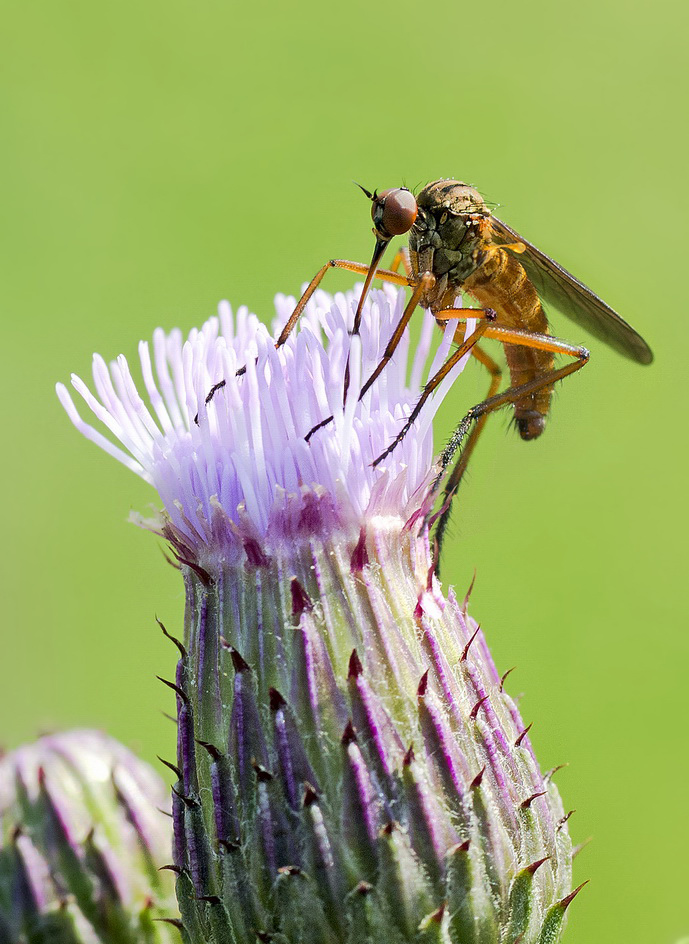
158 156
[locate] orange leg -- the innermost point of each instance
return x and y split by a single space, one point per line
423 284
509 335
359 267
401 258
481 329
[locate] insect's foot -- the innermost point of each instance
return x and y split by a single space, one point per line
385 454
317 427
214 389
212 392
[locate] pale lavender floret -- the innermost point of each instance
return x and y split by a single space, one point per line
248 446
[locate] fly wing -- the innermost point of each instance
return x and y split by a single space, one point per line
557 287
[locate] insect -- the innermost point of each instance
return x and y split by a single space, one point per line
457 246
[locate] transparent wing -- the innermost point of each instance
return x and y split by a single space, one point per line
557 287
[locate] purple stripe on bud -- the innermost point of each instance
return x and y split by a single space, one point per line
375 731
360 804
295 768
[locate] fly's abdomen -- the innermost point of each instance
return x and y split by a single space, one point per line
500 282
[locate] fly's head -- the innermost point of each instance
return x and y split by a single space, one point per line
446 239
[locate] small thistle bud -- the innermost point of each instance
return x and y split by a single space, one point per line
350 768
83 833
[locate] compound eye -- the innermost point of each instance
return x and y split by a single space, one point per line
394 211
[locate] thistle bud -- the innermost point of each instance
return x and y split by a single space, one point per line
350 768
83 833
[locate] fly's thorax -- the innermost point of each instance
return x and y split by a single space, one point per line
447 238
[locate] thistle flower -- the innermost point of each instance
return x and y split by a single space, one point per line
350 767
82 834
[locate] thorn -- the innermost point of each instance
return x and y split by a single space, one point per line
548 776
211 899
349 733
169 717
301 601
409 756
534 796
175 688
437 916
459 847
170 868
363 888
167 557
182 649
202 574
355 666
190 802
535 866
465 651
310 796
238 663
523 734
359 558
290 870
164 812
430 520
423 685
275 699
432 569
477 707
476 782
467 595
389 828
211 748
262 774
582 845
561 822
504 677
173 767
175 922
228 845
568 899
254 555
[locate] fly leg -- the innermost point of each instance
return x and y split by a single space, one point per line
423 284
401 259
439 376
507 335
366 270
454 479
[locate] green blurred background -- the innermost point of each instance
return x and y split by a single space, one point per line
158 156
